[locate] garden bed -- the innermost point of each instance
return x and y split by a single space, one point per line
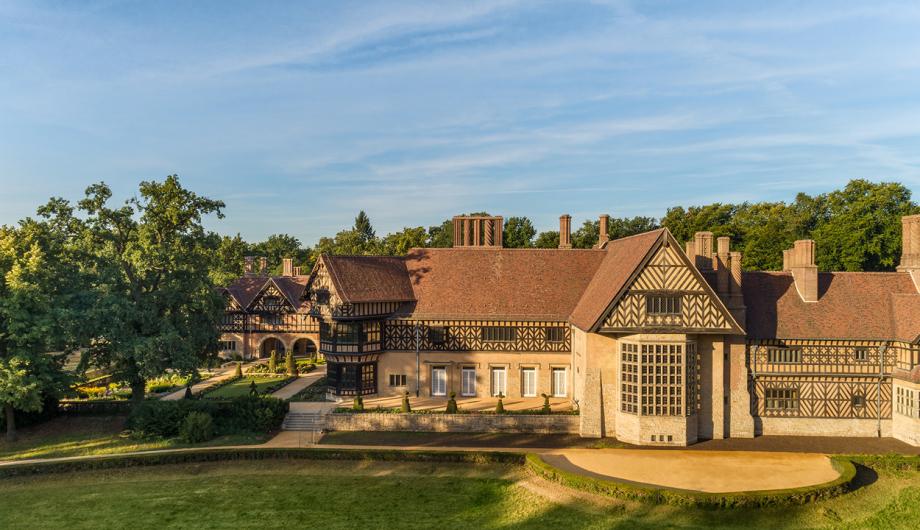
242 386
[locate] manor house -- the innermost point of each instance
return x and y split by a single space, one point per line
654 341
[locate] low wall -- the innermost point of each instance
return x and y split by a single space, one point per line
854 427
549 424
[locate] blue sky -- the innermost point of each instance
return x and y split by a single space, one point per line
299 114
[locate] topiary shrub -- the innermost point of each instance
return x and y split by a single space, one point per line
289 365
239 370
188 392
358 405
253 391
273 362
500 406
452 404
405 403
197 427
546 408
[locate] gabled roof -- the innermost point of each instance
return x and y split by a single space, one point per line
362 279
622 258
245 289
292 287
522 284
851 305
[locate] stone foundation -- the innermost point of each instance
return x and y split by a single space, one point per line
550 424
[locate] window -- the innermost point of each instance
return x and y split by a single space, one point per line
439 381
272 319
904 402
861 354
629 377
661 379
555 334
656 304
499 382
498 333
559 382
859 401
784 355
529 382
322 297
397 379
468 382
781 399
227 345
437 335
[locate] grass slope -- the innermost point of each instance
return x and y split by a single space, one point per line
329 494
90 435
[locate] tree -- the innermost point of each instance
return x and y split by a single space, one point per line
363 228
518 233
278 247
548 239
442 235
228 260
587 235
156 306
399 243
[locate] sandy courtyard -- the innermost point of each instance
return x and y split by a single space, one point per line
713 472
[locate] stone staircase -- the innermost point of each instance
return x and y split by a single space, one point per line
304 421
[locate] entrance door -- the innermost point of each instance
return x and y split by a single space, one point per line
438 381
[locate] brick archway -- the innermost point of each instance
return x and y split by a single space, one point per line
271 343
304 347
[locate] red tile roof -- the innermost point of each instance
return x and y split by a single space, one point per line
851 305
292 287
621 258
245 289
360 279
524 284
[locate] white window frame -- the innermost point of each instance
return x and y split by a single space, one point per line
499 382
438 381
531 373
563 383
468 382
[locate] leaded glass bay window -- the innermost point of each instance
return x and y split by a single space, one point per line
658 379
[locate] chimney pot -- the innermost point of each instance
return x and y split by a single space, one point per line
287 267
603 232
263 265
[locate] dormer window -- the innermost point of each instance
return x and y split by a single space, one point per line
662 304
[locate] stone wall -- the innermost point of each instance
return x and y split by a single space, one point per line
822 427
517 423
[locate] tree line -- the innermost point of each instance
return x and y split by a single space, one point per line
856 228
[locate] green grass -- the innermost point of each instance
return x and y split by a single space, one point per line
84 436
363 494
241 387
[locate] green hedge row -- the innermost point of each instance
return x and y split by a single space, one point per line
187 456
243 414
690 498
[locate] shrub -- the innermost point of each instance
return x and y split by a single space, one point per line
253 390
188 392
273 362
197 427
546 408
500 406
452 404
289 366
358 404
157 418
239 370
405 403
305 366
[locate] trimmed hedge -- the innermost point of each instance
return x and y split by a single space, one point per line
242 414
187 456
658 495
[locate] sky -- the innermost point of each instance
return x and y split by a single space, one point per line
300 114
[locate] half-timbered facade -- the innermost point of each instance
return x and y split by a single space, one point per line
652 341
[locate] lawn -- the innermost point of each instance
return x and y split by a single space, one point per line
91 435
241 387
276 494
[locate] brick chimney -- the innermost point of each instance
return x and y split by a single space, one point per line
603 232
298 271
800 260
249 265
263 265
703 250
722 265
287 267
478 231
910 243
565 231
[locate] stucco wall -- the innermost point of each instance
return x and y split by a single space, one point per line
903 427
562 424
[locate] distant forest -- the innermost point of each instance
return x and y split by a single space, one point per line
857 228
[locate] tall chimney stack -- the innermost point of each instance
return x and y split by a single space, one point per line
287 267
603 235
722 264
910 243
263 265
703 250
248 265
801 262
565 231
478 231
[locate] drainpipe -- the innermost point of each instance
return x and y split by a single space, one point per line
418 369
